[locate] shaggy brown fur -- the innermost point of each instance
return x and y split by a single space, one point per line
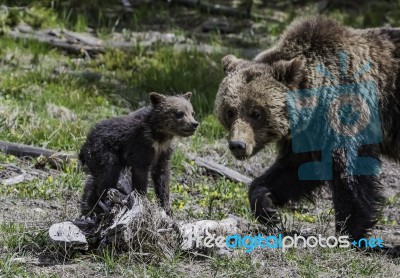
251 104
141 141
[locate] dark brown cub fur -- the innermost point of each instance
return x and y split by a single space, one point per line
141 141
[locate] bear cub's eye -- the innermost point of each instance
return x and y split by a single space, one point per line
179 114
255 115
230 113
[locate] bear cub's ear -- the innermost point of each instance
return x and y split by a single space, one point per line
156 98
230 63
187 96
290 72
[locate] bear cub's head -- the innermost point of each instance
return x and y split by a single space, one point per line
251 102
174 113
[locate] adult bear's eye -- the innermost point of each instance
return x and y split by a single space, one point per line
179 114
230 113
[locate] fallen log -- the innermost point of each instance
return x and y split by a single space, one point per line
57 42
212 8
220 169
12 174
89 45
21 150
14 180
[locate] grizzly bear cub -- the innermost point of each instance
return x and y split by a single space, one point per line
141 141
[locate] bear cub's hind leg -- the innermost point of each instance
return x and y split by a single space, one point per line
89 199
96 186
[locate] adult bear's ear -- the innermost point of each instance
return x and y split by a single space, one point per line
290 72
269 56
156 98
230 63
187 96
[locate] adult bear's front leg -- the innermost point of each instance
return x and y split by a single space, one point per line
280 184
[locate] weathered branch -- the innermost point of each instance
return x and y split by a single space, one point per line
14 180
56 42
87 44
21 150
244 11
211 8
220 169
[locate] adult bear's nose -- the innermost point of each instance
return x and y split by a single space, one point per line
237 145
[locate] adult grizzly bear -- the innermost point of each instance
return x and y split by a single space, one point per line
277 97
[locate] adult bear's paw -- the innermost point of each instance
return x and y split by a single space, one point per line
263 208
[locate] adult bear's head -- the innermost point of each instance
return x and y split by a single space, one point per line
251 102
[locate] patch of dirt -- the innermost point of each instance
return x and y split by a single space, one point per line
83 268
38 213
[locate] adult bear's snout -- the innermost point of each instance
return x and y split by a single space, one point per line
237 145
241 139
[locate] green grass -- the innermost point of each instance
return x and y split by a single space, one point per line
10 268
46 189
20 239
357 266
115 77
211 129
241 266
211 199
166 71
36 16
371 15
